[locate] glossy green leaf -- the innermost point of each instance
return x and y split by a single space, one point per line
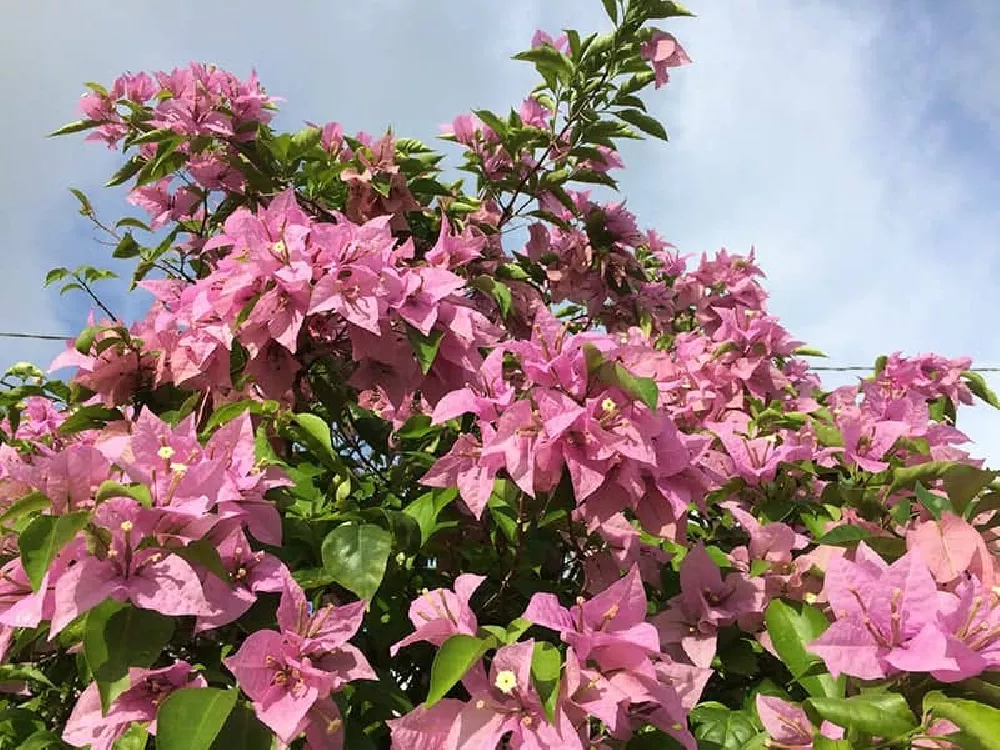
455 657
792 628
980 724
883 714
117 637
192 718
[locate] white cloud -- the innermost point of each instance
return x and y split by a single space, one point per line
855 144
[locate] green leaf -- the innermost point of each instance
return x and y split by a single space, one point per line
43 539
807 351
191 718
546 671
965 482
932 501
86 209
844 535
881 714
315 433
243 731
426 509
667 9
88 418
977 384
30 503
42 740
133 739
110 489
792 628
117 637
904 477
202 552
980 724
645 123
616 375
611 8
127 171
74 127
425 347
85 341
228 412
455 657
356 556
718 726
127 247
825 743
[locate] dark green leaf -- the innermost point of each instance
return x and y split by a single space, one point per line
243 731
844 535
127 247
117 637
718 726
611 8
43 539
191 718
202 552
645 123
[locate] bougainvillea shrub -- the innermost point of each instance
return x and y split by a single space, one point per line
398 462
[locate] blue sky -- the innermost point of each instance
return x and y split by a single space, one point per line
855 144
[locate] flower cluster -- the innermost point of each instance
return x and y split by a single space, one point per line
390 464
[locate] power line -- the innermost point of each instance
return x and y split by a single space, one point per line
39 336
860 368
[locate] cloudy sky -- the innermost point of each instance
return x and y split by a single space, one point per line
856 145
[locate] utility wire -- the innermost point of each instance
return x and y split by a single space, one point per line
860 368
39 336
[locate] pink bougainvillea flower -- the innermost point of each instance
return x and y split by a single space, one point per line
285 673
150 578
609 628
88 725
437 615
505 701
249 572
886 618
